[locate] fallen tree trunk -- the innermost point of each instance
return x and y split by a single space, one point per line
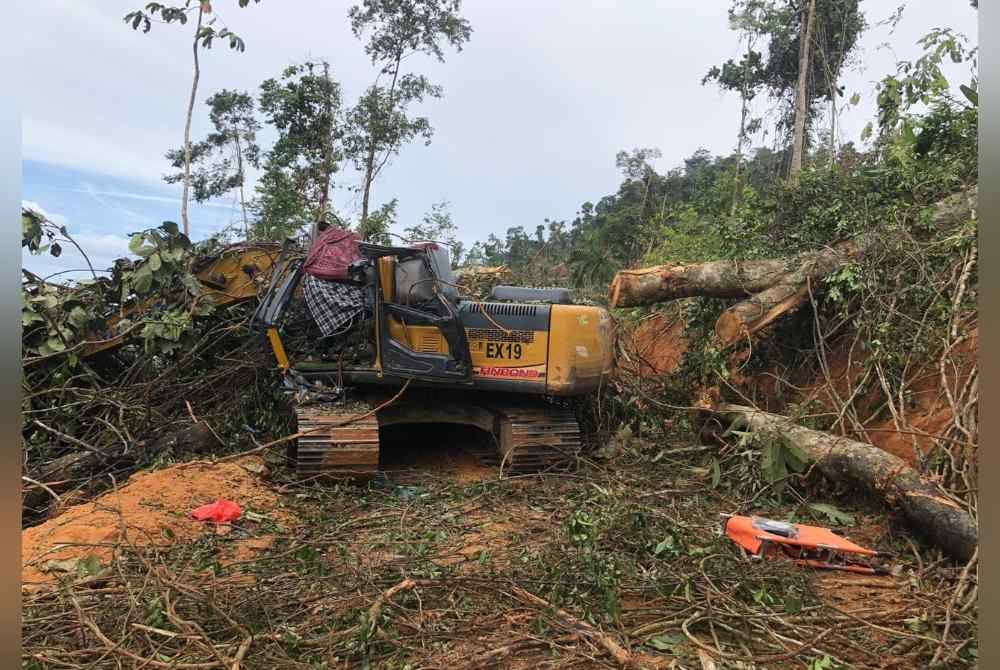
790 292
937 519
770 288
775 285
716 279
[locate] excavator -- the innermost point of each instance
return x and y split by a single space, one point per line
422 352
419 352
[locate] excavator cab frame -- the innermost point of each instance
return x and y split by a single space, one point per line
376 272
395 359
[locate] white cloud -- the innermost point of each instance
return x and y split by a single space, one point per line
86 150
535 106
90 190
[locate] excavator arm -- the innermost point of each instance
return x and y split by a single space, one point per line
236 274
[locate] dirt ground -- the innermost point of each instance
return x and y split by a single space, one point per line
152 508
656 344
629 550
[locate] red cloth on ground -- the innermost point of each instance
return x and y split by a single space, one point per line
221 511
331 253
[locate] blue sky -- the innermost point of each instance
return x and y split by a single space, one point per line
534 108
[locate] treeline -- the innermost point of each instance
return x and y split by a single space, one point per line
753 202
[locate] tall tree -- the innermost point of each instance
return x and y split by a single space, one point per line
397 29
303 106
219 162
790 58
204 35
373 133
802 90
748 19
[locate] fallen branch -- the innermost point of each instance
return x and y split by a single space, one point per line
371 620
618 652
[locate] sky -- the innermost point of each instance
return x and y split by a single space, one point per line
535 106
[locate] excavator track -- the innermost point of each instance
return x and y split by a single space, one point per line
339 441
536 438
342 441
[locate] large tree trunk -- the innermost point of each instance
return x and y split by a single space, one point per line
243 202
929 513
369 178
716 279
744 112
769 288
789 293
187 127
802 92
734 279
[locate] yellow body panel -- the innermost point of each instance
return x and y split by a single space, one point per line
580 349
278 347
387 280
570 359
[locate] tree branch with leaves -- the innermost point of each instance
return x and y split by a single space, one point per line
378 126
203 38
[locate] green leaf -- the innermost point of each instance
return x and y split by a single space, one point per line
866 132
970 94
833 514
142 280
55 344
88 566
28 317
155 262
665 642
135 242
855 99
78 317
665 544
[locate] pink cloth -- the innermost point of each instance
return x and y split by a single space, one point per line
331 253
221 511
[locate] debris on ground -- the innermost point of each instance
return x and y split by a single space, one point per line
581 570
809 546
220 511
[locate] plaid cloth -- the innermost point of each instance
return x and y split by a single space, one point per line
333 304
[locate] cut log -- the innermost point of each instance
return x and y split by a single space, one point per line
734 279
195 438
770 288
938 520
790 292
717 279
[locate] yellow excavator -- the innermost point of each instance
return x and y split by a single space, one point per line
424 353
419 352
